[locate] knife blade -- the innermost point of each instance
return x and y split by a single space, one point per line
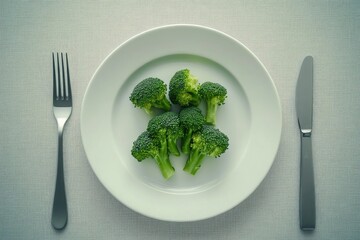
304 109
304 95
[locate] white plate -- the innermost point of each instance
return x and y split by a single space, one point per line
251 117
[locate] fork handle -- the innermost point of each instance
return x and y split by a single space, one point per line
59 212
307 186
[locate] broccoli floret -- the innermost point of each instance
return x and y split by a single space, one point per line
183 89
206 142
167 128
191 120
214 95
150 93
146 146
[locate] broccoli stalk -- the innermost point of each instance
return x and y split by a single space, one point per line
194 161
150 93
172 144
146 146
214 95
167 170
206 142
185 144
211 110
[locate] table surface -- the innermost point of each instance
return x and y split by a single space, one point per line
280 33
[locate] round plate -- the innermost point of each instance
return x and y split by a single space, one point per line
251 117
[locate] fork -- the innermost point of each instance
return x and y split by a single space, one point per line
62 107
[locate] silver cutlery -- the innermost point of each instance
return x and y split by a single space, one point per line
62 107
304 109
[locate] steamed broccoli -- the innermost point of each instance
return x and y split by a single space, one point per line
214 95
183 89
150 93
191 120
206 142
167 128
146 146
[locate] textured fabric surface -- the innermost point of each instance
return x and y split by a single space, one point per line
280 33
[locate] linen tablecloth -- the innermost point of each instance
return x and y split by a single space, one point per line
280 33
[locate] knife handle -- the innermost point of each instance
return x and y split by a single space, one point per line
307 186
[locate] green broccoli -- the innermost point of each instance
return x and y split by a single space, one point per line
167 128
191 120
146 146
206 142
214 95
150 93
183 89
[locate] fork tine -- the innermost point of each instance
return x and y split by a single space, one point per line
60 89
63 96
54 79
68 77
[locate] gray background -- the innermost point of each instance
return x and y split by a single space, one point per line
280 33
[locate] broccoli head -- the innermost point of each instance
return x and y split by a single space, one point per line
191 120
167 128
214 95
150 93
209 141
146 146
183 89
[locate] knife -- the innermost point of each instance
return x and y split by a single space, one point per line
304 109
